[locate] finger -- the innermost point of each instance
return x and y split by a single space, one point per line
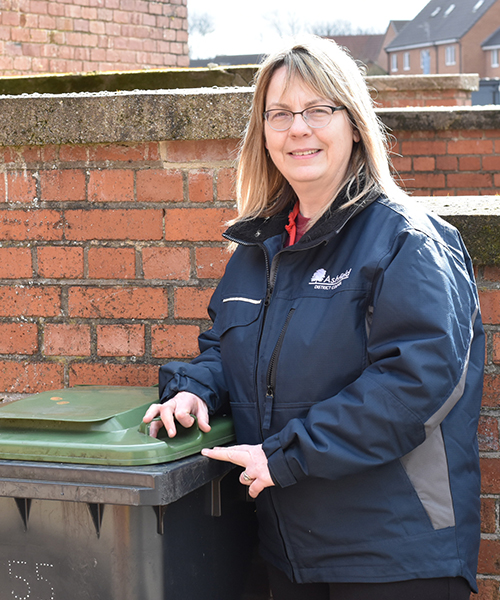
255 488
167 416
226 455
152 412
155 428
203 418
245 479
185 418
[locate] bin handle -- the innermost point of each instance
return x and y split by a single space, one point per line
145 427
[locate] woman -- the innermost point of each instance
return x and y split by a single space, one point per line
347 339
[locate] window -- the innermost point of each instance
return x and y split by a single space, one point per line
436 11
394 62
494 57
406 61
425 61
478 5
449 10
449 57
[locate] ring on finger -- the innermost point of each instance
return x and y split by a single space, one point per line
246 477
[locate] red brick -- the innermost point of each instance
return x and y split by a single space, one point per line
132 224
192 303
166 263
469 180
496 348
488 515
490 475
118 303
120 340
447 163
490 306
206 151
424 163
3 197
30 225
201 186
108 374
401 163
423 148
73 153
21 186
425 180
491 163
67 340
491 390
62 185
488 434
174 341
15 263
491 273
118 152
469 163
488 590
470 146
18 338
29 301
196 224
111 263
226 184
211 262
29 378
159 185
489 557
114 185
60 262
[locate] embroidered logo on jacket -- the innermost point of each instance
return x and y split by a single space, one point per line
322 281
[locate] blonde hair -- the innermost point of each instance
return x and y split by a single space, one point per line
333 74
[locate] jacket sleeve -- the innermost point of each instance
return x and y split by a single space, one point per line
203 376
424 340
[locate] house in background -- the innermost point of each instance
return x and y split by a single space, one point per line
366 48
449 36
370 48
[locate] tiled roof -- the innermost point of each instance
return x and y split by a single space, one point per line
439 21
493 40
361 47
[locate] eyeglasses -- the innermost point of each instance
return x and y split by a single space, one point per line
315 116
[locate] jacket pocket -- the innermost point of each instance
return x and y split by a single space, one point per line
236 311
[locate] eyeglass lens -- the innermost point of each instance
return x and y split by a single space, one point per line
316 117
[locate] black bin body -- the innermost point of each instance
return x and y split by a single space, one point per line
180 530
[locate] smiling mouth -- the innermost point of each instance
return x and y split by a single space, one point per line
304 153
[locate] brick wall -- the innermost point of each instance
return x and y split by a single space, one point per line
110 241
62 36
108 261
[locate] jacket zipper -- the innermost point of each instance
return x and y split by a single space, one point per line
271 373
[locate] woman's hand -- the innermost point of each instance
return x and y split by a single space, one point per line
183 407
254 460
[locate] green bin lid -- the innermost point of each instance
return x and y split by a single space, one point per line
99 425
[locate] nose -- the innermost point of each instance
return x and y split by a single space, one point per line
299 126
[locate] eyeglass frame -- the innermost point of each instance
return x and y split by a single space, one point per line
334 109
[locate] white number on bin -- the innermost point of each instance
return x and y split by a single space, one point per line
23 572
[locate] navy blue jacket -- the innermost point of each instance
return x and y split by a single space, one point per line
356 358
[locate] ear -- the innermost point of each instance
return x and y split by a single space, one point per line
355 135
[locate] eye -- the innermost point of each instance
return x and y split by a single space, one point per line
278 114
319 111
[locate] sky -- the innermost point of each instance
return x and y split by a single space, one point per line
251 27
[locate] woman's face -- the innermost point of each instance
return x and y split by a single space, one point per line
313 161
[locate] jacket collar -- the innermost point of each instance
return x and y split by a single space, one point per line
259 229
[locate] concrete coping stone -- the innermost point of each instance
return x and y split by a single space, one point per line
182 114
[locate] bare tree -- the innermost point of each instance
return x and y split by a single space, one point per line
201 23
290 25
340 27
